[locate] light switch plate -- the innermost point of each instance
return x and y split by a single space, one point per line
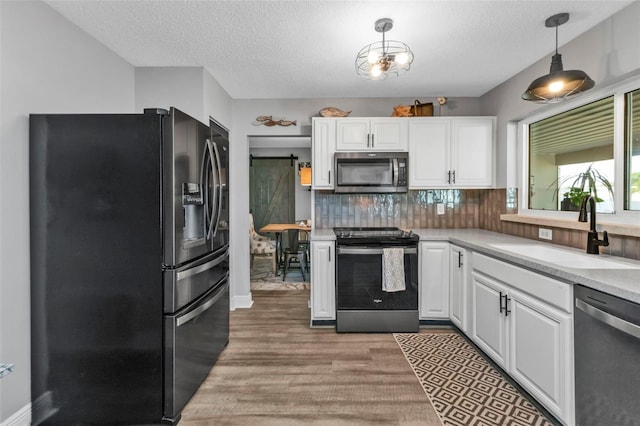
440 208
545 234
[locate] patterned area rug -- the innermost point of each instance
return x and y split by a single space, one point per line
262 277
462 386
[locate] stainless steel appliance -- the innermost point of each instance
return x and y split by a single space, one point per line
362 305
371 172
607 352
129 264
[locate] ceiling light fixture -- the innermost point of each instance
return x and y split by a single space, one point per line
381 60
558 85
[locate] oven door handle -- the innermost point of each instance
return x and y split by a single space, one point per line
371 250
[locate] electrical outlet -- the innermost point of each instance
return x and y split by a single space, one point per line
440 208
545 234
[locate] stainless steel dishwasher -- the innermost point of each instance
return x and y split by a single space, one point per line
607 359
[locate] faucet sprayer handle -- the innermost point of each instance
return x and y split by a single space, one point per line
605 238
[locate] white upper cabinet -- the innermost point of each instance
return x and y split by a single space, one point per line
451 152
472 142
371 134
429 152
323 146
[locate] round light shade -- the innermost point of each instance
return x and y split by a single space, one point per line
558 86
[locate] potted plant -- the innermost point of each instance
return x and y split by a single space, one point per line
573 198
581 185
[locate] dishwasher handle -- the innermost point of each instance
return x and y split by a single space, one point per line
611 320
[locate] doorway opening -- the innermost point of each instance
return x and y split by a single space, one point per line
276 196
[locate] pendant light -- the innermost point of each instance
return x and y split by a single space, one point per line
558 85
380 60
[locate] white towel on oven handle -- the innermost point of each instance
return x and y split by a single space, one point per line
393 270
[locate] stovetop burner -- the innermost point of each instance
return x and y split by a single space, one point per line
379 235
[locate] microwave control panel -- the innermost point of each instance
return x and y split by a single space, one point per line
402 173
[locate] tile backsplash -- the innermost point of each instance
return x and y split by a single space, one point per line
414 209
468 208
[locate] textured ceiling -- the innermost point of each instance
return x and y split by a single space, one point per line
307 48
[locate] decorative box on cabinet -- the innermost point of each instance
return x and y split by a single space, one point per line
434 281
323 292
523 321
371 134
451 152
323 146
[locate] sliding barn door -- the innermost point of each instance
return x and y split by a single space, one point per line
272 191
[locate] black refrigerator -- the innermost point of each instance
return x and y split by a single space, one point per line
129 264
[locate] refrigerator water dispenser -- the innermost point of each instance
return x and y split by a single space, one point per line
194 230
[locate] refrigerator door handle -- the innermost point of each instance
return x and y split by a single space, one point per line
191 315
205 194
211 169
219 206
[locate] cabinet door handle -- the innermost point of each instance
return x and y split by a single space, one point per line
368 140
459 259
507 311
329 176
449 176
454 176
373 140
501 308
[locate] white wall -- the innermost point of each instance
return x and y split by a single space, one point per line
609 52
165 87
47 65
190 89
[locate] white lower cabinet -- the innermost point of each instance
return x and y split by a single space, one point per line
528 337
540 355
458 268
323 289
433 270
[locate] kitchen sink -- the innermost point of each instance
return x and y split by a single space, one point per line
562 257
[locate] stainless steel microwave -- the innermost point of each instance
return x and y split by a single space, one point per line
371 172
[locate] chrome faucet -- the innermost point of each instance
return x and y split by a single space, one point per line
593 243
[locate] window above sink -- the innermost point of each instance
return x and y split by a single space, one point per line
590 143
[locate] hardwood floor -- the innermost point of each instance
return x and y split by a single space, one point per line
278 371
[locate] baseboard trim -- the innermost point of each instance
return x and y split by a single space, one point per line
21 417
241 302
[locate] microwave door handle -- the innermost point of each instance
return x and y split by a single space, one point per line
219 206
395 172
211 168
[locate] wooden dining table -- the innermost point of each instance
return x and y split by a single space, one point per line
278 229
